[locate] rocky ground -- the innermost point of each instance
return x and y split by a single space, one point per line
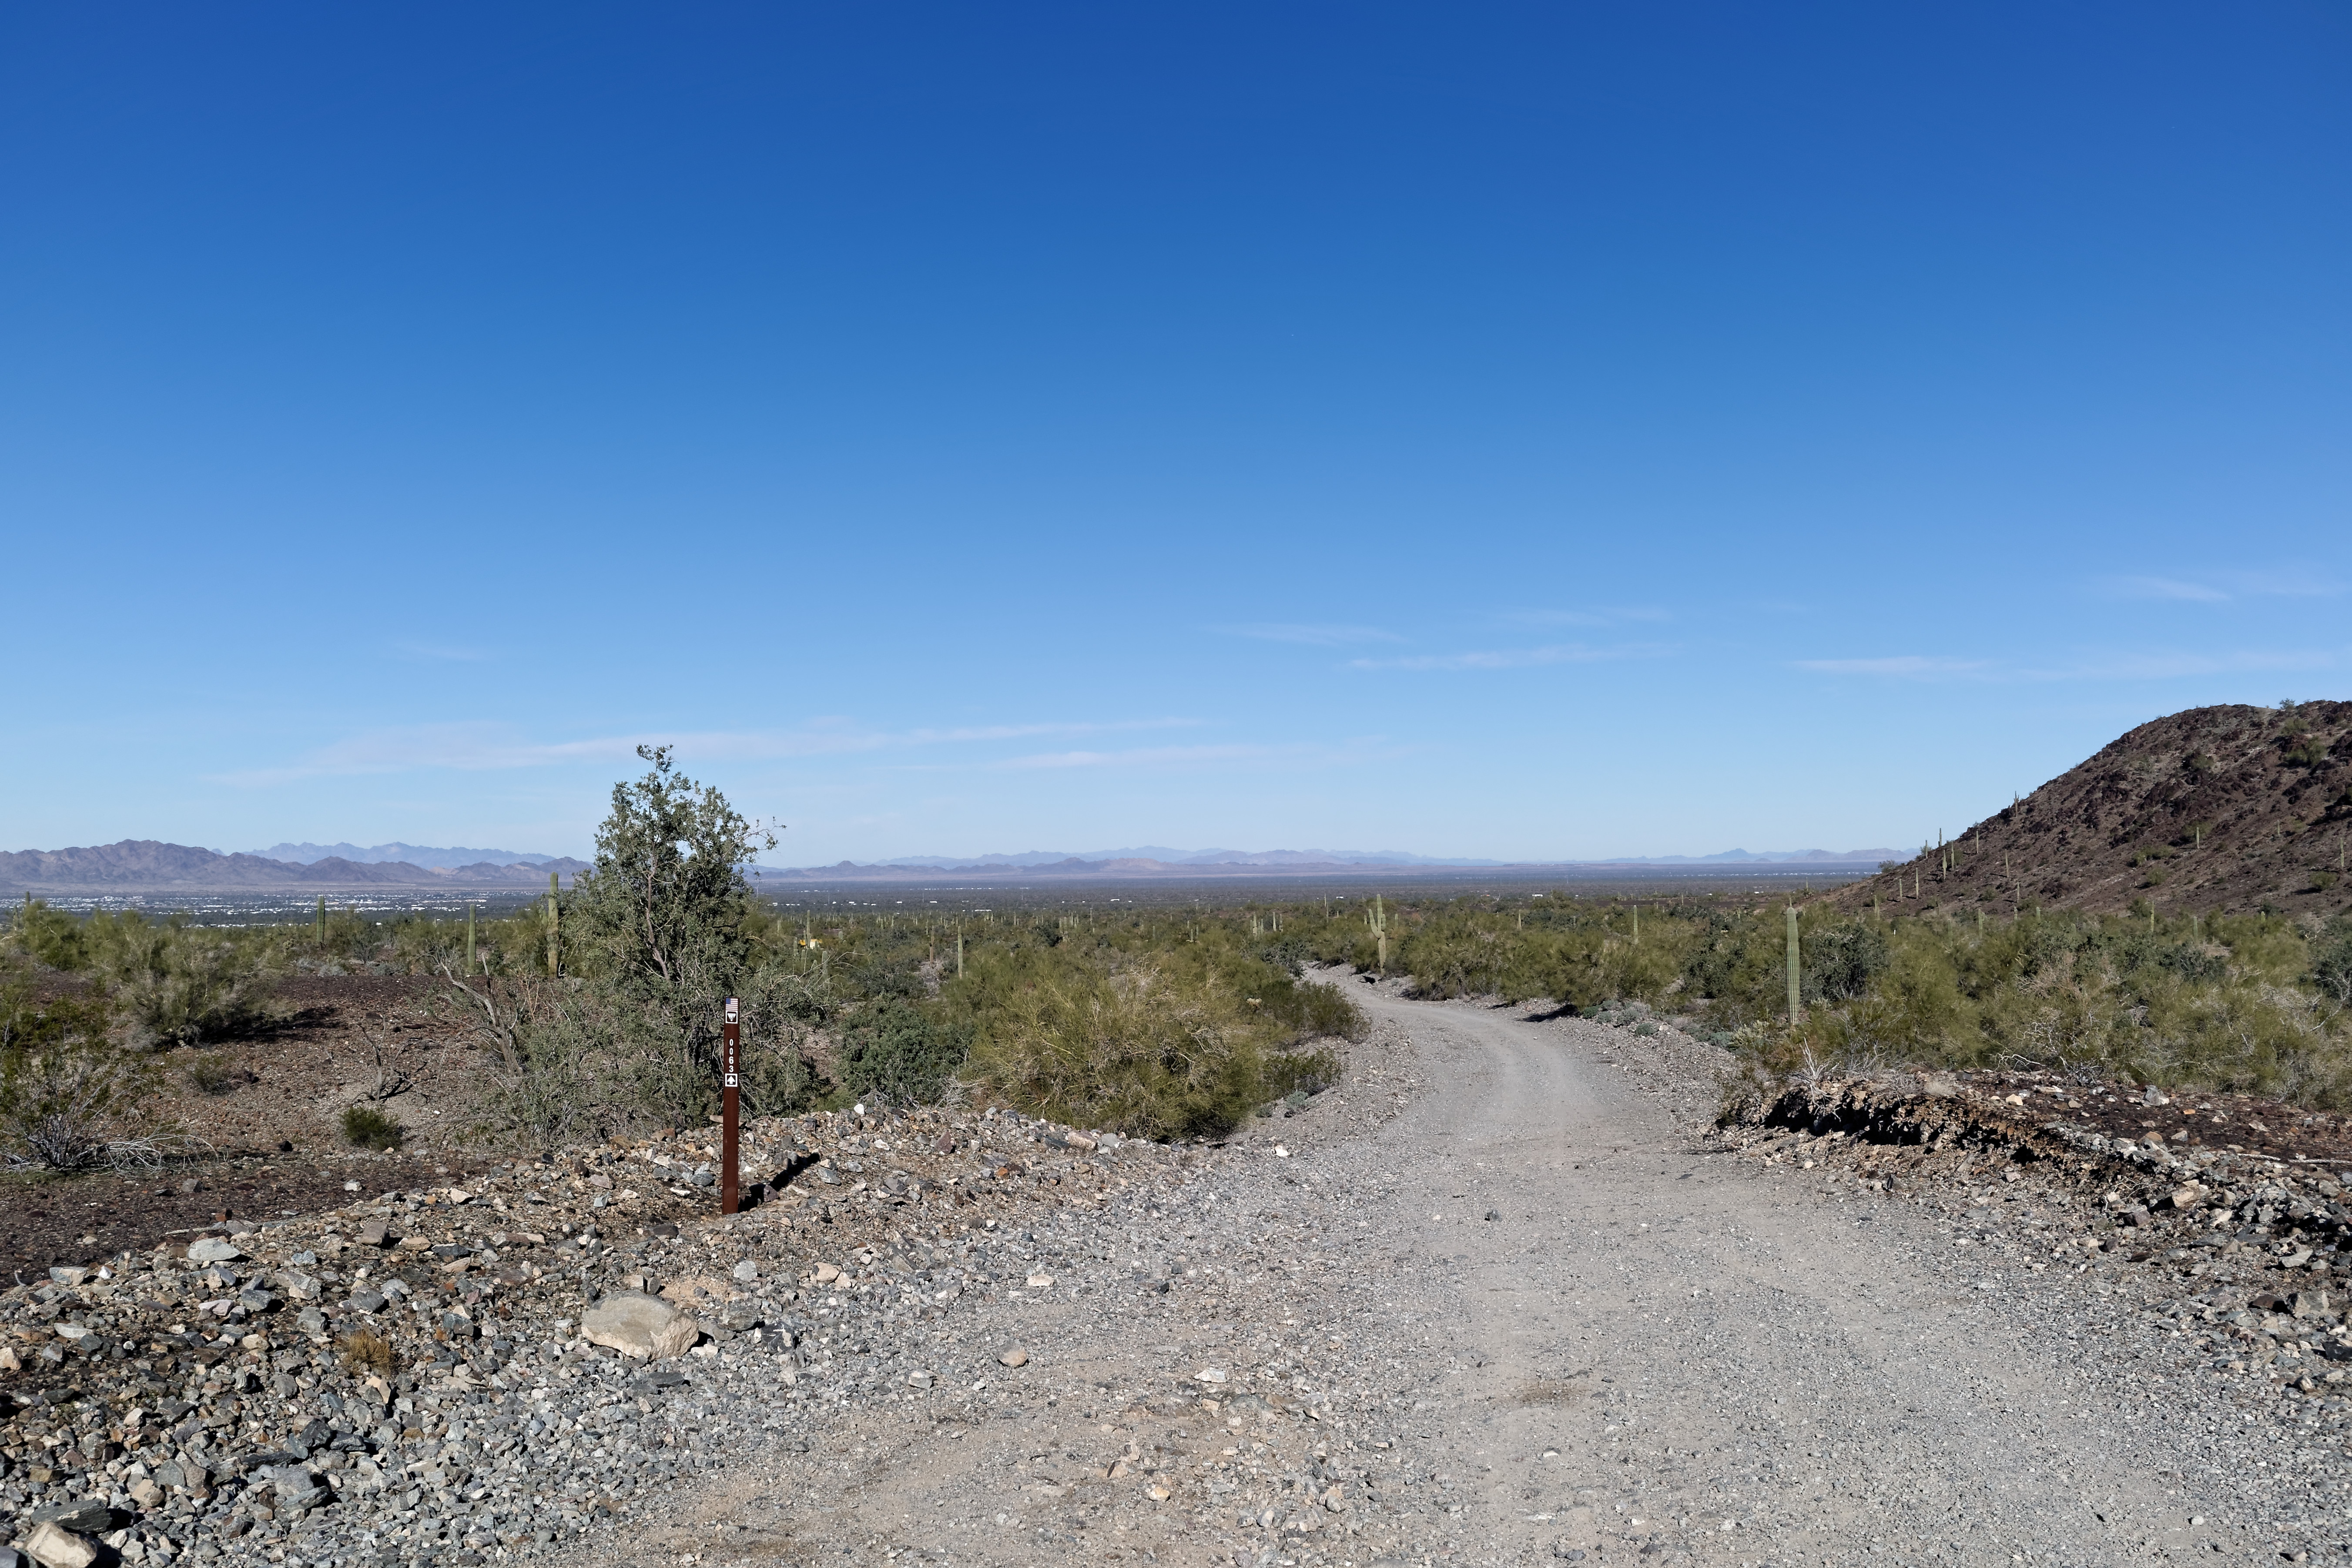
1504 1294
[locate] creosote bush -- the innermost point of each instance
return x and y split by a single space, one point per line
365 1127
59 1105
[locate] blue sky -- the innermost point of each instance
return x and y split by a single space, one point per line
1521 431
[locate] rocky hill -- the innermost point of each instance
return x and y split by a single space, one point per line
2223 809
146 865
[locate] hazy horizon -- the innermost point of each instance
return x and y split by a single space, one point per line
384 853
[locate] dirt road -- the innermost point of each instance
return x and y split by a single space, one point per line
1492 1302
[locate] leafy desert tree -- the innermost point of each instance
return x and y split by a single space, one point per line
656 937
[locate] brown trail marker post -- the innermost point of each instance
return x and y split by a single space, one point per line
730 1106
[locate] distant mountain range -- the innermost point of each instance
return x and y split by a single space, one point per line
1162 863
1167 857
143 865
415 854
1761 857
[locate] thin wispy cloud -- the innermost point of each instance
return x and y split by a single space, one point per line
2158 665
489 747
1516 658
1607 616
1908 664
1309 634
1304 754
2175 665
2226 587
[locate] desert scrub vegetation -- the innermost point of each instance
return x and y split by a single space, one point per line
2258 1003
160 983
365 1127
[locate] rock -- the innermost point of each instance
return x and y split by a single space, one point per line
459 1195
1014 1358
145 1492
827 1274
373 1232
1041 1281
638 1326
747 1271
86 1516
295 1486
365 1301
55 1548
183 1475
1211 1374
69 1275
1493 1213
214 1249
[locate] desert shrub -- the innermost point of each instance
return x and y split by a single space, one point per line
46 936
896 1053
365 1127
173 983
63 1106
1839 964
561 1063
1145 1051
1327 1012
2331 964
208 1074
366 1351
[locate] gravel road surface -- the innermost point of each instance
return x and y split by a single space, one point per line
1497 1299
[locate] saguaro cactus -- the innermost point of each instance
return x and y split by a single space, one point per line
1792 964
554 952
1379 920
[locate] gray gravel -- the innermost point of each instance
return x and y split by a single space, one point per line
1501 1296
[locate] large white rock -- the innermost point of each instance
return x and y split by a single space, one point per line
639 1326
55 1548
213 1249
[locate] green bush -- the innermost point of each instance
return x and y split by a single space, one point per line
1151 1051
175 984
895 1053
365 1127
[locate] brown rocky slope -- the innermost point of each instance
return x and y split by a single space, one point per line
2212 810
